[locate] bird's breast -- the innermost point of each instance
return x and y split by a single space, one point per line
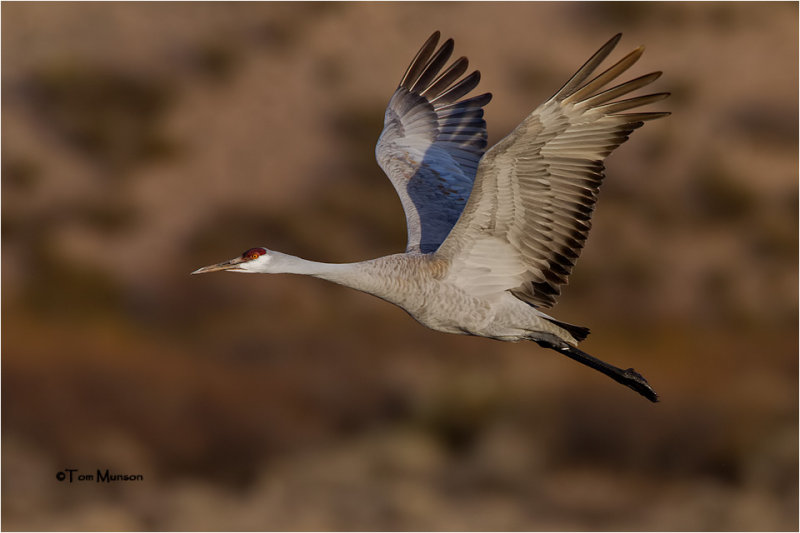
418 284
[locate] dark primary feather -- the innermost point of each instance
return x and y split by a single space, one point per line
432 141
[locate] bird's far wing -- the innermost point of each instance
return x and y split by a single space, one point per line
431 142
530 210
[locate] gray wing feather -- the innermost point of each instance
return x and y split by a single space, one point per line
432 141
530 210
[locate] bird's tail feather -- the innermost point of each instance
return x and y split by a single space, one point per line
578 332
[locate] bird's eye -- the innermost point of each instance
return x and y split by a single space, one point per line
253 253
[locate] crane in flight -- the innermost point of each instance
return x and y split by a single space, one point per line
492 234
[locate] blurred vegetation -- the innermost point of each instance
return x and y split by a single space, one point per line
717 198
111 116
217 59
20 174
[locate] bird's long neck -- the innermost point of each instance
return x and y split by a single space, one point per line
289 264
385 277
348 274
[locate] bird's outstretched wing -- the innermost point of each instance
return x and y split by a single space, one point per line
530 210
432 141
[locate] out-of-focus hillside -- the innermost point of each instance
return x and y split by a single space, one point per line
143 140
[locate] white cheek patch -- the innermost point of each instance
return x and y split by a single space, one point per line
254 266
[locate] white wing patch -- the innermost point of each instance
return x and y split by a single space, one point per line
491 266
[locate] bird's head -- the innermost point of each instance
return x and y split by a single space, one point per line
253 260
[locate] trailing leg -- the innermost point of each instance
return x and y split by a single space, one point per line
630 378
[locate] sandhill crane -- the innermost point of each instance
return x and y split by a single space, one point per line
491 236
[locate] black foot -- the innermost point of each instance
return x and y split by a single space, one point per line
636 381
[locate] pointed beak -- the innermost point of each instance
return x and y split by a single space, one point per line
225 265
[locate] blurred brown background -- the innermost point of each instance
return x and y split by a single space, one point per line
141 141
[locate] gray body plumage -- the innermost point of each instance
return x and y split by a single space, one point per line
422 284
492 236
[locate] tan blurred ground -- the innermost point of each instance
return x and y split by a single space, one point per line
141 141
